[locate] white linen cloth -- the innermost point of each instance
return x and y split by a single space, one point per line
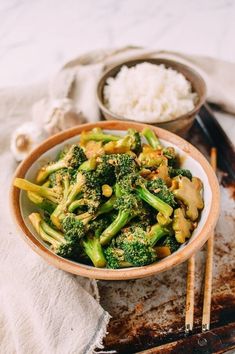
44 310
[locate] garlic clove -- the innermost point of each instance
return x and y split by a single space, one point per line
24 139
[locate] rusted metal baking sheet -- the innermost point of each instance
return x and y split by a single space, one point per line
149 313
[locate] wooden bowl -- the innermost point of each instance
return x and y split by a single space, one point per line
193 159
179 125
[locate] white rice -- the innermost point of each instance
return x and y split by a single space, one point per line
149 93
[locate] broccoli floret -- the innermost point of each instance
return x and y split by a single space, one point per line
64 247
131 142
73 228
171 243
180 172
128 206
105 170
151 159
69 197
72 159
75 232
170 154
159 188
126 184
122 164
135 245
151 138
98 225
115 258
136 145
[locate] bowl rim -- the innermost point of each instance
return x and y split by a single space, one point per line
116 274
170 63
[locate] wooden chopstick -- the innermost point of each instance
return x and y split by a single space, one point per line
209 266
189 311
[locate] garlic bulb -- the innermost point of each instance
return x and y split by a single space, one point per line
56 116
24 139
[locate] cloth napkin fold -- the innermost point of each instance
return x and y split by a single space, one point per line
42 309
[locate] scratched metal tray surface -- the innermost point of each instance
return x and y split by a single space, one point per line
149 313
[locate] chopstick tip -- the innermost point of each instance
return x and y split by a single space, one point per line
205 327
188 328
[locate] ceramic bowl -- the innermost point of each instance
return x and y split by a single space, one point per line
179 125
193 159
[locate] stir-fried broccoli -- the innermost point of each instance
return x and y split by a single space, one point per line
72 159
73 228
170 154
155 202
159 188
128 206
130 142
97 134
136 246
171 242
94 251
68 198
115 201
151 138
63 246
115 258
180 172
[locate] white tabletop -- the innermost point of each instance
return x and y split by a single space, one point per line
37 37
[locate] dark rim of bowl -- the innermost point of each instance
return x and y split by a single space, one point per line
170 63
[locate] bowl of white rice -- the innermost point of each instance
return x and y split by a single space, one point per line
161 92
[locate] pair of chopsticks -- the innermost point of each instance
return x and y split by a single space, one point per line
208 277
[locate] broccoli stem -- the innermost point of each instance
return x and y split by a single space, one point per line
88 165
45 171
151 138
67 200
156 233
94 251
107 206
76 204
98 135
41 202
53 237
117 190
42 191
154 201
58 236
121 220
76 188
